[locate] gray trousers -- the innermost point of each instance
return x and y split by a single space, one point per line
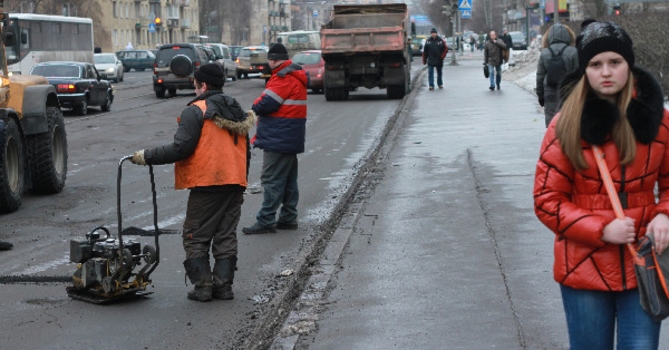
211 221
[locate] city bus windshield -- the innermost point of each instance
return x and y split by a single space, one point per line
12 51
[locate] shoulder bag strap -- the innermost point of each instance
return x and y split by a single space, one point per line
610 189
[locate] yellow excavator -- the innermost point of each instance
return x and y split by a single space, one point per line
33 141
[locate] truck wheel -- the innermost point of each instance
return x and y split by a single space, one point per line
47 154
11 167
160 93
396 92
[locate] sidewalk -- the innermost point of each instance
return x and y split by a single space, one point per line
446 253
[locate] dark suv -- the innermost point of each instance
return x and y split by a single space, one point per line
174 67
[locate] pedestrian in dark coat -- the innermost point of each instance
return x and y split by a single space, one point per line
492 56
434 52
618 107
211 155
557 38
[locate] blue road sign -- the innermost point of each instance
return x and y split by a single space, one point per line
152 28
466 14
465 5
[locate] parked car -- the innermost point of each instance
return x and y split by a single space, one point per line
224 58
109 66
312 62
519 41
175 66
138 60
78 85
253 59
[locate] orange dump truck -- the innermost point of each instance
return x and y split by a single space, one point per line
366 45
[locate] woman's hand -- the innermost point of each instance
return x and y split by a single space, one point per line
620 231
659 226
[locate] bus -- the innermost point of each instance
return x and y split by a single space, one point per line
300 40
43 38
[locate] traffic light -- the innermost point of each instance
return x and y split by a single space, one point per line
616 10
158 21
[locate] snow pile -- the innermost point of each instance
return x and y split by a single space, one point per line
523 66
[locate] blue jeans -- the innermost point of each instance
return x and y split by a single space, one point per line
495 73
592 316
279 182
430 75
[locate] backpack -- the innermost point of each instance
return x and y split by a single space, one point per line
556 70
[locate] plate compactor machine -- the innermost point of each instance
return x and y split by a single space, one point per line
106 265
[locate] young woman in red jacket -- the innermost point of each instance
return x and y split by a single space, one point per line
619 107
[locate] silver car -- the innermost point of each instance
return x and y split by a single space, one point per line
109 66
224 58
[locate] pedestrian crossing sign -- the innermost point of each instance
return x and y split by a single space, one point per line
465 5
465 14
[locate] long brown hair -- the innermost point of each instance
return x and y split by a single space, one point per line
568 126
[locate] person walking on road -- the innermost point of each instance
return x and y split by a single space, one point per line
492 56
618 107
282 117
557 42
211 153
434 52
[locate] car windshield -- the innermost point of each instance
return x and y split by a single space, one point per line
104 58
517 36
56 71
306 58
235 51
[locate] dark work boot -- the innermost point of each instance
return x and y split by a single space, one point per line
224 273
199 273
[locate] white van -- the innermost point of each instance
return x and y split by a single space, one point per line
300 40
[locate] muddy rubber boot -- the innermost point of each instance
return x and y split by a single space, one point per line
199 273
224 273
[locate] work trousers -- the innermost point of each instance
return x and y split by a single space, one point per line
211 222
279 182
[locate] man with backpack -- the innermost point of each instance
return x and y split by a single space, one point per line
558 58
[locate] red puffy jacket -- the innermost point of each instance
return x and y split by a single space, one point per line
575 205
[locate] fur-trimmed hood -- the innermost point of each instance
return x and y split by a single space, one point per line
226 112
644 113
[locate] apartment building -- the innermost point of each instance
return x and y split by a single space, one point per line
147 23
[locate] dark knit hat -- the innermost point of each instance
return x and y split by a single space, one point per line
277 52
600 37
433 30
210 73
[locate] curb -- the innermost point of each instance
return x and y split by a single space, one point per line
303 317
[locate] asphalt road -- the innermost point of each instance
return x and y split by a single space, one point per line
37 313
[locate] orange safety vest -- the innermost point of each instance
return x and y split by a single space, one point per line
217 159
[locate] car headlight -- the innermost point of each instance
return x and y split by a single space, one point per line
110 70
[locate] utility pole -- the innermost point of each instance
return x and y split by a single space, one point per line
451 10
556 11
